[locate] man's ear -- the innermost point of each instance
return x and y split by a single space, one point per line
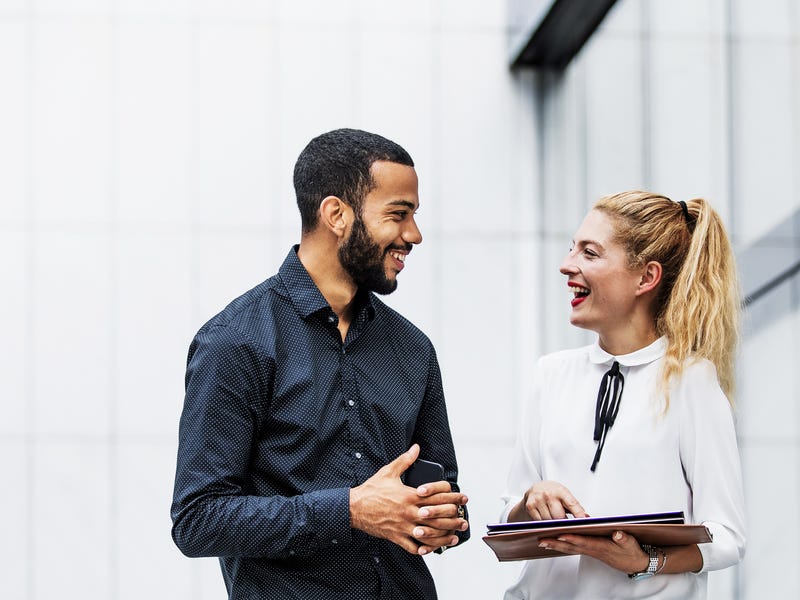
335 215
651 277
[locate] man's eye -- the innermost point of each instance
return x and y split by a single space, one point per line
400 214
590 253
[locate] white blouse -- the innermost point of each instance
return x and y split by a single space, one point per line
685 459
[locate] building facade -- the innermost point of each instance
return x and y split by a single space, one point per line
147 151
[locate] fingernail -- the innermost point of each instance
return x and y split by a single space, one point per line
418 532
424 512
454 541
422 490
423 550
545 546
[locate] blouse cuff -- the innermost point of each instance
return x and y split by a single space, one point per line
721 553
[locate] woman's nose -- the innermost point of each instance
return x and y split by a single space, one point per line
567 265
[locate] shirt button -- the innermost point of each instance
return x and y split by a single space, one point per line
350 402
334 541
358 454
331 319
377 559
291 552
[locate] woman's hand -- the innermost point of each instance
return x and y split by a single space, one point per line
546 500
621 551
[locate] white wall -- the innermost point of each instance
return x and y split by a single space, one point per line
146 152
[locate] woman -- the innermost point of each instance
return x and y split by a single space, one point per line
640 421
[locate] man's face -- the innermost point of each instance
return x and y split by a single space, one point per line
383 235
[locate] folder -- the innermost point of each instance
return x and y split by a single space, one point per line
520 541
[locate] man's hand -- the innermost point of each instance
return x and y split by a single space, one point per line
546 500
418 520
442 516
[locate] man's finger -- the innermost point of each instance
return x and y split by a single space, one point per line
438 511
399 465
434 538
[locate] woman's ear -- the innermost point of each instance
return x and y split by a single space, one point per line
651 277
335 215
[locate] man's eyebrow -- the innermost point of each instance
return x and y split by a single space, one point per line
406 203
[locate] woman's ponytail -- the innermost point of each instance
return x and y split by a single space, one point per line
698 301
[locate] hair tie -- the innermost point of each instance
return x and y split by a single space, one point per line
685 210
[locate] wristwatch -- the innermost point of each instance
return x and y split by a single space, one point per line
652 567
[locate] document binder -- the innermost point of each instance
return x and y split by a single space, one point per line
520 541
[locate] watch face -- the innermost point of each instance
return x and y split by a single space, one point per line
644 575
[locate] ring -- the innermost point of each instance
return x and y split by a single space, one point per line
442 548
461 512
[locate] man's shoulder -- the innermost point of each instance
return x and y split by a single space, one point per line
397 324
247 309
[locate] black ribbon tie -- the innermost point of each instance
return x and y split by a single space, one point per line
605 413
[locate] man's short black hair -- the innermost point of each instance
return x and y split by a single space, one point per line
337 163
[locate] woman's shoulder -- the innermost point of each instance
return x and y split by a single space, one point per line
697 369
698 386
564 358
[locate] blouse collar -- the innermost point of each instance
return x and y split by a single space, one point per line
642 356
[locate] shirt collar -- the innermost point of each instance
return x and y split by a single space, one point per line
642 356
305 294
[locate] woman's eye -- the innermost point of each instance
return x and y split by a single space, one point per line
590 253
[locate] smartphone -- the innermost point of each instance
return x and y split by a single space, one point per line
423 471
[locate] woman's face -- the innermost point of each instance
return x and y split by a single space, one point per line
602 285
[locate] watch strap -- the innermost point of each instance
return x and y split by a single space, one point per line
652 566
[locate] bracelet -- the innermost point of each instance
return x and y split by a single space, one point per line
663 564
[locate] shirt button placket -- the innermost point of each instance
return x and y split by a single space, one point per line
348 388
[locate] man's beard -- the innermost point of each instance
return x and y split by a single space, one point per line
364 261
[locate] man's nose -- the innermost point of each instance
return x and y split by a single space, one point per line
411 233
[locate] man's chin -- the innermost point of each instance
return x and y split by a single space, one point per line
385 290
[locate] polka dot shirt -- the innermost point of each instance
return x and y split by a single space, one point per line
280 420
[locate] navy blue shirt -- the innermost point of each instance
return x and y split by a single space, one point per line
281 419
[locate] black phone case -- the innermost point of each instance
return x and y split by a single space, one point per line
423 471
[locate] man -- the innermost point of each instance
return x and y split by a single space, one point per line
307 399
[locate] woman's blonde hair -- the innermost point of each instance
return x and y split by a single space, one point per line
698 300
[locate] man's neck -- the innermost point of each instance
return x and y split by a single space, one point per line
333 282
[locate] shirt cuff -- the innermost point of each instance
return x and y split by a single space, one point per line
724 551
332 517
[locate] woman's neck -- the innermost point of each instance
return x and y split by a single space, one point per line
623 343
